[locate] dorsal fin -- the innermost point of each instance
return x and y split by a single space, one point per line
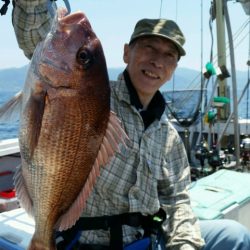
115 135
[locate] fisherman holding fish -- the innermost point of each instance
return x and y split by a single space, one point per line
140 199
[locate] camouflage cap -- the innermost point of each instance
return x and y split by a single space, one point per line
160 27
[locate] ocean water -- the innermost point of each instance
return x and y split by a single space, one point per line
184 103
9 130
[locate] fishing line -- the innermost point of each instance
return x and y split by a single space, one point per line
179 97
176 10
160 9
235 37
173 87
176 13
193 82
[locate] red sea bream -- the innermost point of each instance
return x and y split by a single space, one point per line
67 131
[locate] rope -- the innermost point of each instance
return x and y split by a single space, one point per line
52 7
213 58
66 2
193 84
247 102
202 105
248 92
235 37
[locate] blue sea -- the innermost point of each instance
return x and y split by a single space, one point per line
9 130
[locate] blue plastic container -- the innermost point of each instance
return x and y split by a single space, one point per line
224 194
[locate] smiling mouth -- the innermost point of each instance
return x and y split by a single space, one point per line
150 74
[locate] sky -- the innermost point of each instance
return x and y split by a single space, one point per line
113 22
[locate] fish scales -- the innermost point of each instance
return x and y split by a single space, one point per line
64 121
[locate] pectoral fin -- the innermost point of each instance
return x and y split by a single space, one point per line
35 110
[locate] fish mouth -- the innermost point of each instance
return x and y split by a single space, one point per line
75 18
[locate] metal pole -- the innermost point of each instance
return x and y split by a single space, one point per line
221 50
231 115
234 87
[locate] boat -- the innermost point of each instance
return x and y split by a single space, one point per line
9 160
220 172
210 126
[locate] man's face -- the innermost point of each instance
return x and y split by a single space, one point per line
151 62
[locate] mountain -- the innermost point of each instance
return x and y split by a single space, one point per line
185 78
114 73
12 79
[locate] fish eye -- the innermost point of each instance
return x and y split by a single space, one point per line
84 58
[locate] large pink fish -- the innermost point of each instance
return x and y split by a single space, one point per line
67 130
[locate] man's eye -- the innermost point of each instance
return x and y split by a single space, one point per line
149 48
170 55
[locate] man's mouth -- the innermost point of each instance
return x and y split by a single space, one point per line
150 74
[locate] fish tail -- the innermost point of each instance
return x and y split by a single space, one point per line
37 244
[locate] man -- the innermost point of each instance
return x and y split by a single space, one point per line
155 173
140 200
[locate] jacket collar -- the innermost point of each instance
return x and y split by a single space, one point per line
127 93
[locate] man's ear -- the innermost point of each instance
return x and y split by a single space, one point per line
126 53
